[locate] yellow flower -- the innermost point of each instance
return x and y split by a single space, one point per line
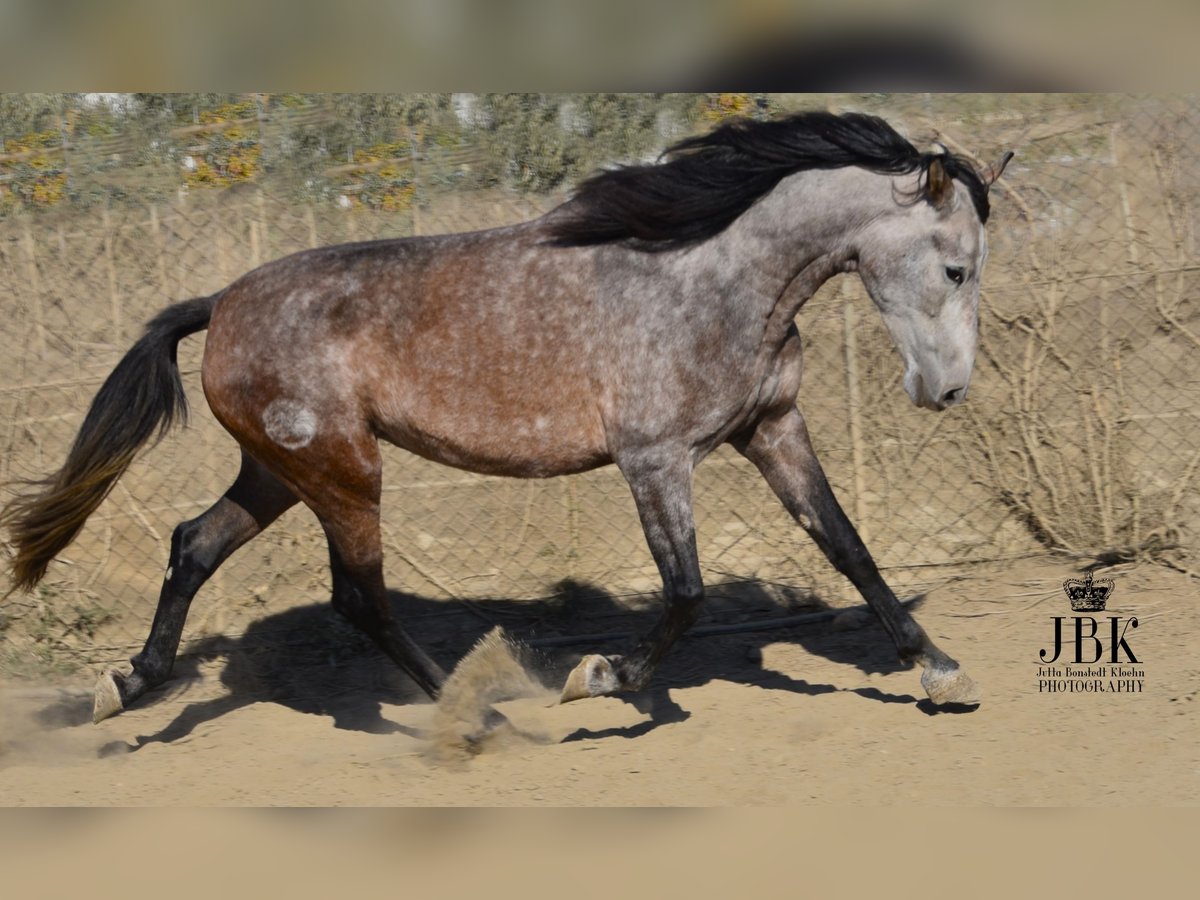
725 106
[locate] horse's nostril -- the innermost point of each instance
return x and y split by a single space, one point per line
952 397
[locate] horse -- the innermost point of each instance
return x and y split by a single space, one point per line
644 322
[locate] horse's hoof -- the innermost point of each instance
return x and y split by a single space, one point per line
107 700
593 677
950 686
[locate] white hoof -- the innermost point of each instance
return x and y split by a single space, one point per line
107 700
593 677
945 686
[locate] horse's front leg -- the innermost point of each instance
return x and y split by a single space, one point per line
780 448
661 481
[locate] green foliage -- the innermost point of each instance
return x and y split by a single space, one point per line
22 114
231 151
526 142
538 142
360 120
34 167
377 148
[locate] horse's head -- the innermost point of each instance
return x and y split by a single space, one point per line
921 263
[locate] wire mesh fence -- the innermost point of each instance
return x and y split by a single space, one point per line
1080 432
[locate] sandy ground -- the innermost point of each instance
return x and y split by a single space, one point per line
813 714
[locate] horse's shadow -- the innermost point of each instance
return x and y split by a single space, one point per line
311 660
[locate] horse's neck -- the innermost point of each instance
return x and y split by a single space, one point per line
798 236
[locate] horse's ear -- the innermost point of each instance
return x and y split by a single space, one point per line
938 187
996 169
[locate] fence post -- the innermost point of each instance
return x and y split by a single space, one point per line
255 249
1130 236
35 290
114 297
311 219
225 223
416 205
1123 189
1106 352
160 253
854 405
264 233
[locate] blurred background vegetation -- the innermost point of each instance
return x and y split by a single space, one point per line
348 149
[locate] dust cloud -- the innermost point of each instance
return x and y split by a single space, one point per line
498 669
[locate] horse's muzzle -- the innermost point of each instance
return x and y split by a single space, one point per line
937 400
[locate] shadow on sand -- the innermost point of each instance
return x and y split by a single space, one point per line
311 660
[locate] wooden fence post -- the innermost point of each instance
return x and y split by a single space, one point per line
160 252
35 290
179 213
255 248
1106 351
114 297
225 263
311 219
416 205
264 233
854 409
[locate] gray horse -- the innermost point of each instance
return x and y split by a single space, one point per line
643 323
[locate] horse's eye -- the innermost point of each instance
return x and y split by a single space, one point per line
955 274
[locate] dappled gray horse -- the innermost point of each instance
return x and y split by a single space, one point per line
644 322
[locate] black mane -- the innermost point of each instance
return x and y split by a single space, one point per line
708 181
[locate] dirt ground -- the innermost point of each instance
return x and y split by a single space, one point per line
818 713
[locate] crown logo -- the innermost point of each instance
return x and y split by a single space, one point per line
1088 595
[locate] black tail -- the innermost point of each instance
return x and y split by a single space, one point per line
142 395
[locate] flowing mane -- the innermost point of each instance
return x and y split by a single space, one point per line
706 182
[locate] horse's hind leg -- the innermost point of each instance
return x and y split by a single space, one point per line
661 482
780 448
198 547
359 592
343 487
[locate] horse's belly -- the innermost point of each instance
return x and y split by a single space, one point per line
520 439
